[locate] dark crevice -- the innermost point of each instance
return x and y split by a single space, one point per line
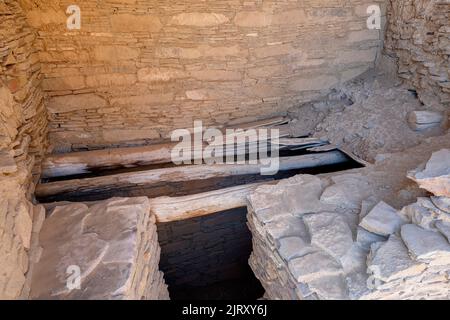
206 258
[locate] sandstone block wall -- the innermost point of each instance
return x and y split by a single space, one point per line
24 118
138 69
22 143
419 35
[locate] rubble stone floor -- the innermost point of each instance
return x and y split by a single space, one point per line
379 232
367 117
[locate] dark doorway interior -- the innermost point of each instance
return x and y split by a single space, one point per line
206 258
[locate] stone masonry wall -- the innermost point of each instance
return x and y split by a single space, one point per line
139 68
22 143
419 35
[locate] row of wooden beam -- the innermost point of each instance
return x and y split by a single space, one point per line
168 209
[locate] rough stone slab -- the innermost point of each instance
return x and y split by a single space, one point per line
357 285
289 226
354 261
75 102
298 195
7 163
348 191
330 232
425 214
390 260
314 266
23 224
383 220
425 245
112 244
365 238
434 176
303 197
293 247
366 206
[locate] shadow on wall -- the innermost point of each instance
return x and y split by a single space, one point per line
207 258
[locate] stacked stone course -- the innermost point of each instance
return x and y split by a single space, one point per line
138 69
23 125
418 35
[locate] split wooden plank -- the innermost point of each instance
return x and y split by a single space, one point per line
257 123
66 164
76 163
170 209
183 173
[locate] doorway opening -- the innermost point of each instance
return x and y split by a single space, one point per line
207 257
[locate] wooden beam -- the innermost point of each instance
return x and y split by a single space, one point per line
76 163
66 164
254 124
170 209
183 173
60 165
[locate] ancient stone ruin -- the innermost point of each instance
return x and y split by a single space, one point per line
270 149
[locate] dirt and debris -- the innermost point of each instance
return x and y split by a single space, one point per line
368 116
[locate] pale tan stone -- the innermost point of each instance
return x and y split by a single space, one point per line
314 83
64 83
23 224
75 102
253 19
216 75
37 18
125 22
363 35
23 122
142 100
109 80
199 19
150 75
434 176
274 50
197 94
357 56
114 53
117 135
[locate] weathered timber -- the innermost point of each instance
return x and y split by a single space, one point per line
183 173
170 209
254 124
76 163
67 164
